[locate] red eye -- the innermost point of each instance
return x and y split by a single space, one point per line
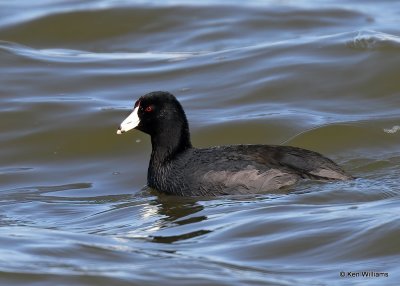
149 109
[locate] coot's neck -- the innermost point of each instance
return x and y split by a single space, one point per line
168 142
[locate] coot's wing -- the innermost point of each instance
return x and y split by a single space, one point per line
258 168
237 170
308 163
245 181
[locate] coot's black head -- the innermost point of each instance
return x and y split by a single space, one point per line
160 115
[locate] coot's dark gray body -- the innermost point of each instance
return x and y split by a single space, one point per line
178 168
240 169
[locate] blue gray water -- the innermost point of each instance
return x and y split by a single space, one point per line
74 209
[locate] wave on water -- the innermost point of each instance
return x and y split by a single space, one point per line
360 40
374 40
392 130
60 55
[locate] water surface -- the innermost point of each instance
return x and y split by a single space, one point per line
74 210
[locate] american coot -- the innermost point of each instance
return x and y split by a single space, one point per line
178 168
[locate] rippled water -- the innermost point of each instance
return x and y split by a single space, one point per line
322 75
